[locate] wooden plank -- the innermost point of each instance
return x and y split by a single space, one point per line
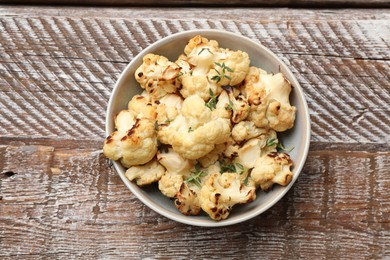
65 68
209 3
70 203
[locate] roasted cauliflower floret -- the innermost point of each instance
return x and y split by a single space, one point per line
136 146
256 147
272 168
158 76
221 192
174 163
246 130
201 54
238 105
177 169
145 174
167 108
187 200
195 132
142 106
170 184
269 96
198 41
230 67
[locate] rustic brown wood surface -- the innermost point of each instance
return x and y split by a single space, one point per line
205 3
59 197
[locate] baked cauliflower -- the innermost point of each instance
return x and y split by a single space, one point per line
221 192
158 76
136 146
211 68
268 95
272 168
195 132
205 128
145 174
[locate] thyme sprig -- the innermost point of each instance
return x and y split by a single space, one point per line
207 50
196 176
222 73
230 106
287 150
212 103
271 142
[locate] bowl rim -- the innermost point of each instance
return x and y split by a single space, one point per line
137 191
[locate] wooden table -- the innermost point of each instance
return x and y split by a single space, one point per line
59 196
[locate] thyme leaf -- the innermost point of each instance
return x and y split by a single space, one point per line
222 73
271 142
230 106
212 103
196 176
205 49
287 150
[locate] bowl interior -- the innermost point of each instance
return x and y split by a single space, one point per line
298 137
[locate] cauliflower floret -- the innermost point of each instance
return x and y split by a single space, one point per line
136 146
197 41
269 96
222 107
157 75
246 130
124 120
201 54
256 147
168 108
145 174
221 192
142 106
177 168
170 184
272 168
187 200
230 67
195 132
174 163
238 104
197 85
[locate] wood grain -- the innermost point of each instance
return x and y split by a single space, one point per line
60 198
72 204
211 3
66 67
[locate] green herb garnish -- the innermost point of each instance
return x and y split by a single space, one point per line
271 142
212 103
168 121
221 74
246 180
230 106
156 125
190 129
241 167
205 49
196 176
179 75
287 150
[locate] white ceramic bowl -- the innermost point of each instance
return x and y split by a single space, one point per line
299 137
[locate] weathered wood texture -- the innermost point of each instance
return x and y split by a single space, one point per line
70 203
206 3
59 196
